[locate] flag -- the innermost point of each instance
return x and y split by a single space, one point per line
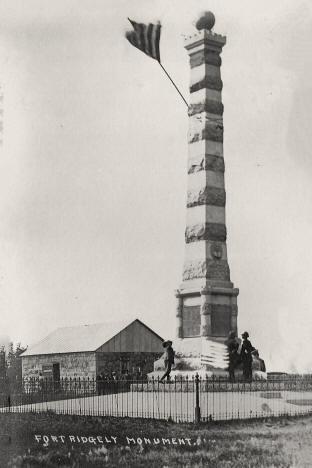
214 354
146 38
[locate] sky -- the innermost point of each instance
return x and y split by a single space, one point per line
93 167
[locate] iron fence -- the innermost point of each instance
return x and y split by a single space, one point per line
182 399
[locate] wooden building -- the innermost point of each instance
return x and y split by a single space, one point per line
88 350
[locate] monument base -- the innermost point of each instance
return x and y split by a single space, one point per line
212 363
186 366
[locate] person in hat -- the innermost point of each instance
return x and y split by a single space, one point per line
246 357
168 359
232 346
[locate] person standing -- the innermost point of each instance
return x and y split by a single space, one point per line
168 359
246 357
232 346
98 384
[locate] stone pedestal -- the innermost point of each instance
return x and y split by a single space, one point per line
187 365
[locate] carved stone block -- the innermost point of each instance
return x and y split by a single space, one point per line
210 82
207 231
213 130
208 105
210 57
206 196
207 268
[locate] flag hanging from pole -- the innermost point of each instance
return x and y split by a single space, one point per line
145 37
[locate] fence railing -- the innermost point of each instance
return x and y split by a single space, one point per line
184 399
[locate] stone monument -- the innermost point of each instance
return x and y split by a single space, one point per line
206 300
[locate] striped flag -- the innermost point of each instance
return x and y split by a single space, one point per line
146 38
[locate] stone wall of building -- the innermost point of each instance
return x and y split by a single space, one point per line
89 365
126 362
72 365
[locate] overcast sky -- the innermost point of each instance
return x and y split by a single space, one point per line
93 167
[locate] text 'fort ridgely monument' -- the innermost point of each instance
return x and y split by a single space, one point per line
206 299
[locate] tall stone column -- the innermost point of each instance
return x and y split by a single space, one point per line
207 296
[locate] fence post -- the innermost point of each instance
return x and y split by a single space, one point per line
197 407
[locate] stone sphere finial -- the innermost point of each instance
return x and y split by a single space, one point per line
206 21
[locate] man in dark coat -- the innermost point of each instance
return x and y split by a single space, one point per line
232 346
246 357
168 359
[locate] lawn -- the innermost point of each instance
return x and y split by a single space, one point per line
49 440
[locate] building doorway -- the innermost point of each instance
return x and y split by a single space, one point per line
124 365
56 372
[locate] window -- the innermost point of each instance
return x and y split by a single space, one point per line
220 322
191 321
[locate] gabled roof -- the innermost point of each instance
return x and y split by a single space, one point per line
82 338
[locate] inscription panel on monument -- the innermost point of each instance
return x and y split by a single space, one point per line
220 321
191 320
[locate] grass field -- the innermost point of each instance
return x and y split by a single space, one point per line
92 441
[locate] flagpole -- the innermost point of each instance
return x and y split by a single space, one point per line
174 84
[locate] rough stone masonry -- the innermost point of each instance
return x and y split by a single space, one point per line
206 299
